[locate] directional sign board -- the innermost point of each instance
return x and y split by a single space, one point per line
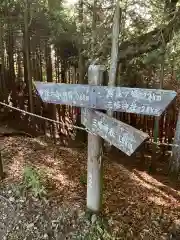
121 135
132 100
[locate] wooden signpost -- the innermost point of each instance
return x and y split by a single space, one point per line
119 134
90 97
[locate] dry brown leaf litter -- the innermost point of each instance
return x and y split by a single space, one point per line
137 205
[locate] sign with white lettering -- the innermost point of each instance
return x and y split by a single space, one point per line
132 100
119 134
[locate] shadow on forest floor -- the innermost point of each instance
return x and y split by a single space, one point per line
141 206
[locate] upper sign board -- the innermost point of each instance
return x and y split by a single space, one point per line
119 134
132 100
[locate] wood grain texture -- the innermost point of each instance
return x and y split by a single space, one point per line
95 144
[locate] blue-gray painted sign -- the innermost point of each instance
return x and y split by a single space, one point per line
132 100
119 134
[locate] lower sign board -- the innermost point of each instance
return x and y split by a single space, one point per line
121 99
119 134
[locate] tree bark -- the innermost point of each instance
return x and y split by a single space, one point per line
174 165
81 64
49 74
4 94
95 163
114 51
81 69
94 20
146 42
28 55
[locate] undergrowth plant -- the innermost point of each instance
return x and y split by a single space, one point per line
32 181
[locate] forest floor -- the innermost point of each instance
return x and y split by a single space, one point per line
136 205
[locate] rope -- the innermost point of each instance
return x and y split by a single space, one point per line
44 118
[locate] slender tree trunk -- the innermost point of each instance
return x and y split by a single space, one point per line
11 64
49 73
81 68
2 67
156 120
27 53
174 165
94 20
81 64
114 51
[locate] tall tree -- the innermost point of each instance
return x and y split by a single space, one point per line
114 49
80 45
27 54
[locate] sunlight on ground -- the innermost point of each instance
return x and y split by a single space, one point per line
150 183
130 197
158 200
17 166
40 142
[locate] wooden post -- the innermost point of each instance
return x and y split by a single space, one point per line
95 164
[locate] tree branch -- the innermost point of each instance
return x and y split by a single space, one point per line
151 40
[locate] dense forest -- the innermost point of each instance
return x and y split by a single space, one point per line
56 41
47 41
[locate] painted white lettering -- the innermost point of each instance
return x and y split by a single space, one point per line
90 180
112 132
46 95
159 98
94 124
103 127
119 93
109 105
110 92
125 105
133 107
70 95
117 105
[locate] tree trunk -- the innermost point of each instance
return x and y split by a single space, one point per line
81 68
156 123
145 43
11 65
114 51
174 165
94 20
81 64
28 55
49 74
4 94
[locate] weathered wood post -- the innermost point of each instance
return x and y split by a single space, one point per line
95 164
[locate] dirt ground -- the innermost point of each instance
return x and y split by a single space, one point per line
136 205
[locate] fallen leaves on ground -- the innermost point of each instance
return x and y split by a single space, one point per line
137 205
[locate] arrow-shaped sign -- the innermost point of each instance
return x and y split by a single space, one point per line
132 100
119 134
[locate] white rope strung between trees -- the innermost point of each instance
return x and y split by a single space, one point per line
54 121
40 117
